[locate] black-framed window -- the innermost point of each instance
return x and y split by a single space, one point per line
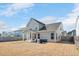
38 36
52 35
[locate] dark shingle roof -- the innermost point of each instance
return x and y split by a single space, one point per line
43 28
38 21
71 31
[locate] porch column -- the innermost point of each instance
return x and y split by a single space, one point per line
37 38
23 36
55 37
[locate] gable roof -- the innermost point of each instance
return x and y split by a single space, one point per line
71 31
36 21
53 26
49 27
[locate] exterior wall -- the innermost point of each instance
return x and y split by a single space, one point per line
28 35
44 35
52 40
72 33
47 35
33 25
59 33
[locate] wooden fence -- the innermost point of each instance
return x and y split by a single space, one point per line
2 39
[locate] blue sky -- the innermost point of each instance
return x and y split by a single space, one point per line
14 16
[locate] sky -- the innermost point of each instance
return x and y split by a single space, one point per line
14 16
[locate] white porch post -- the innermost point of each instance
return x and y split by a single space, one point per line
37 38
55 35
31 36
23 37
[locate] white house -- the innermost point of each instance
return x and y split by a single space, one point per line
36 30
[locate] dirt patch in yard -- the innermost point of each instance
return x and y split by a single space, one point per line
22 48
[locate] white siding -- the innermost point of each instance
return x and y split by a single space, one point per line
51 40
33 25
44 35
47 35
28 35
59 33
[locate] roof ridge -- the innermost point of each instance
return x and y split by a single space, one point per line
38 21
54 23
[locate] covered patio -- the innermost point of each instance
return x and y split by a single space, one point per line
30 35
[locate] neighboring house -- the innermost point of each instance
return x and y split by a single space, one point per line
4 34
71 36
37 30
72 33
17 33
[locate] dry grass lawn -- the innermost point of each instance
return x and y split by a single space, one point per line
22 48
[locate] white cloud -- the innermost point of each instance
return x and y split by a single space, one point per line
68 21
13 29
13 8
48 19
23 25
2 25
5 27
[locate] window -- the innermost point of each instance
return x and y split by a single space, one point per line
52 35
38 36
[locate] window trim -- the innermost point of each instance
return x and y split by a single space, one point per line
52 36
